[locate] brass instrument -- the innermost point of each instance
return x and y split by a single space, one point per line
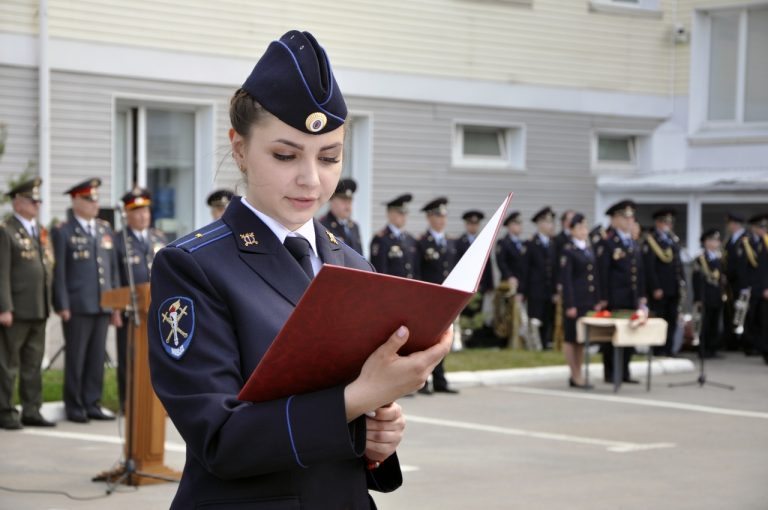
507 318
740 309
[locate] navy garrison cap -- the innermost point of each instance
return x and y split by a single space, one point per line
545 213
29 189
513 216
623 208
136 198
734 217
345 188
436 207
473 216
577 218
220 198
400 203
711 233
293 80
88 189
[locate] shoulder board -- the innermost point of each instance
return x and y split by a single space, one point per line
103 223
202 237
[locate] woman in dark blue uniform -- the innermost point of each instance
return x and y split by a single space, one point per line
578 274
221 294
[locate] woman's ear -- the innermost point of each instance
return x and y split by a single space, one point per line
238 147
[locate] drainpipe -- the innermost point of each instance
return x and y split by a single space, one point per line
44 113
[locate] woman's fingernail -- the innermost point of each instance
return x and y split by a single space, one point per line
371 414
401 331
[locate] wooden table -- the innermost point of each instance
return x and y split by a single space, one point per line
620 334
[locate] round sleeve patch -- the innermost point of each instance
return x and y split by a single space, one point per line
176 319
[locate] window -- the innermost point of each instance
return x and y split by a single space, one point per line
641 7
489 146
731 70
619 151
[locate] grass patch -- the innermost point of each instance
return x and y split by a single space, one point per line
493 359
53 385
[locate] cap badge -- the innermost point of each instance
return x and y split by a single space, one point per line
316 122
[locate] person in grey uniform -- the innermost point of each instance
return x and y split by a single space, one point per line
25 281
86 266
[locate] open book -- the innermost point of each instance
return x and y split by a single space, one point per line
346 314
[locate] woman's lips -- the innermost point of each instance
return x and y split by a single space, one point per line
302 203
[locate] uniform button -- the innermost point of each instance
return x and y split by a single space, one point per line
634 270
590 278
589 267
101 281
407 265
101 270
98 259
591 288
634 278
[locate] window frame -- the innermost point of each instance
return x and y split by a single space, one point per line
638 151
650 8
702 130
512 142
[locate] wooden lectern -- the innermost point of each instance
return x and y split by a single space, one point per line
144 414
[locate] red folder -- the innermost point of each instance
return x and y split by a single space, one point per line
346 314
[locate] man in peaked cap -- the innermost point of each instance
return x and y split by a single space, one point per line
338 219
511 260
436 256
734 268
86 266
755 248
709 291
620 267
664 274
218 201
472 222
25 292
541 276
393 250
136 245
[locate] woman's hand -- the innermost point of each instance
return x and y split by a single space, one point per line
384 432
571 312
387 376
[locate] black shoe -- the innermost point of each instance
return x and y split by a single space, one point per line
11 425
78 418
629 380
424 390
447 390
100 416
574 384
36 421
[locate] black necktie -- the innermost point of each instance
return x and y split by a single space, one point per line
299 248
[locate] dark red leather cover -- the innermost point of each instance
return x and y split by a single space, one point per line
343 317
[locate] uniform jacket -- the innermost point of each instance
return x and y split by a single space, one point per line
735 262
578 276
395 255
486 280
25 272
541 269
666 275
232 286
755 265
621 271
435 262
708 281
141 254
350 235
85 266
560 240
511 259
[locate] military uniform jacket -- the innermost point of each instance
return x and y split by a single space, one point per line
393 254
578 275
435 261
85 266
541 271
560 240
25 272
621 271
662 264
511 260
708 281
228 289
486 280
350 235
736 262
755 272
141 254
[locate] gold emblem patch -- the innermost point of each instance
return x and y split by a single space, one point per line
249 239
316 122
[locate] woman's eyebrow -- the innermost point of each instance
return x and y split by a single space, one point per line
329 147
290 143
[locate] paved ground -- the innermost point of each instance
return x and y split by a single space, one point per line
499 447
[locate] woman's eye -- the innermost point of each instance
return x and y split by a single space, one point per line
282 157
330 160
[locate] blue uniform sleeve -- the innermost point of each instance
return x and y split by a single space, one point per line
6 301
378 257
60 295
231 438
